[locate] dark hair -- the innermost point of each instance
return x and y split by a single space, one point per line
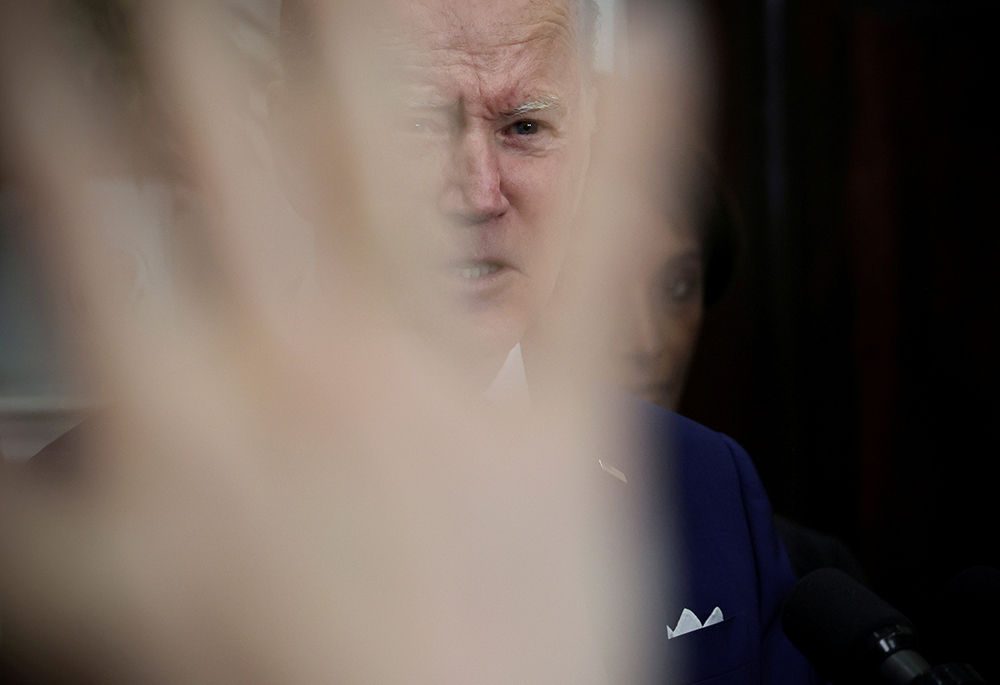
721 236
706 205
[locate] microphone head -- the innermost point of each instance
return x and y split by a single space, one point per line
841 626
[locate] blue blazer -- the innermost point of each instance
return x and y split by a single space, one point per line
721 550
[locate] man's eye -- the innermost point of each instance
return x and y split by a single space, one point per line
525 127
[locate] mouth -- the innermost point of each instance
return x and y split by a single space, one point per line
474 271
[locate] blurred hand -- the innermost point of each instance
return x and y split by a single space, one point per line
301 488
269 493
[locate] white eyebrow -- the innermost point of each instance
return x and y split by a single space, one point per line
542 103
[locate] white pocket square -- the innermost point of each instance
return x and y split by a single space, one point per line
688 622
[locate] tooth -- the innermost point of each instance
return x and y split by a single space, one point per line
478 270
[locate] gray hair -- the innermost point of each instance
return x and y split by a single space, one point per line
298 49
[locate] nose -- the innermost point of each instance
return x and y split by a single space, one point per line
474 191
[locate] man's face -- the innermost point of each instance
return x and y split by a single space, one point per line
491 124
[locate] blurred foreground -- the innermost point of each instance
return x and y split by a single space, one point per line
290 472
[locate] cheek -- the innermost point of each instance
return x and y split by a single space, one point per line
533 180
540 191
680 329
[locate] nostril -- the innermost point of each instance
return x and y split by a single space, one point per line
471 210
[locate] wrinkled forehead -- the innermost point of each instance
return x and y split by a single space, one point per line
482 25
489 35
554 37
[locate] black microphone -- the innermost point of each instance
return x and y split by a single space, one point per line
851 634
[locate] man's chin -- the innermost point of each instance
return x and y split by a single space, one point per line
492 336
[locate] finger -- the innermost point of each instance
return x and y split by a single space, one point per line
240 217
69 132
209 84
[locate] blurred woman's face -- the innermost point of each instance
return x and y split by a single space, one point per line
662 312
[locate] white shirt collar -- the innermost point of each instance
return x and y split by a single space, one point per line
510 387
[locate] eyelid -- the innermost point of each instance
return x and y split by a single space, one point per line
527 141
540 123
543 125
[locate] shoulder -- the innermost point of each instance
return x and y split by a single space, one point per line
728 551
723 516
713 475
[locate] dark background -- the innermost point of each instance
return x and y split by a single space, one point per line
855 354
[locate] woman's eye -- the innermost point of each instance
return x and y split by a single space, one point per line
682 288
